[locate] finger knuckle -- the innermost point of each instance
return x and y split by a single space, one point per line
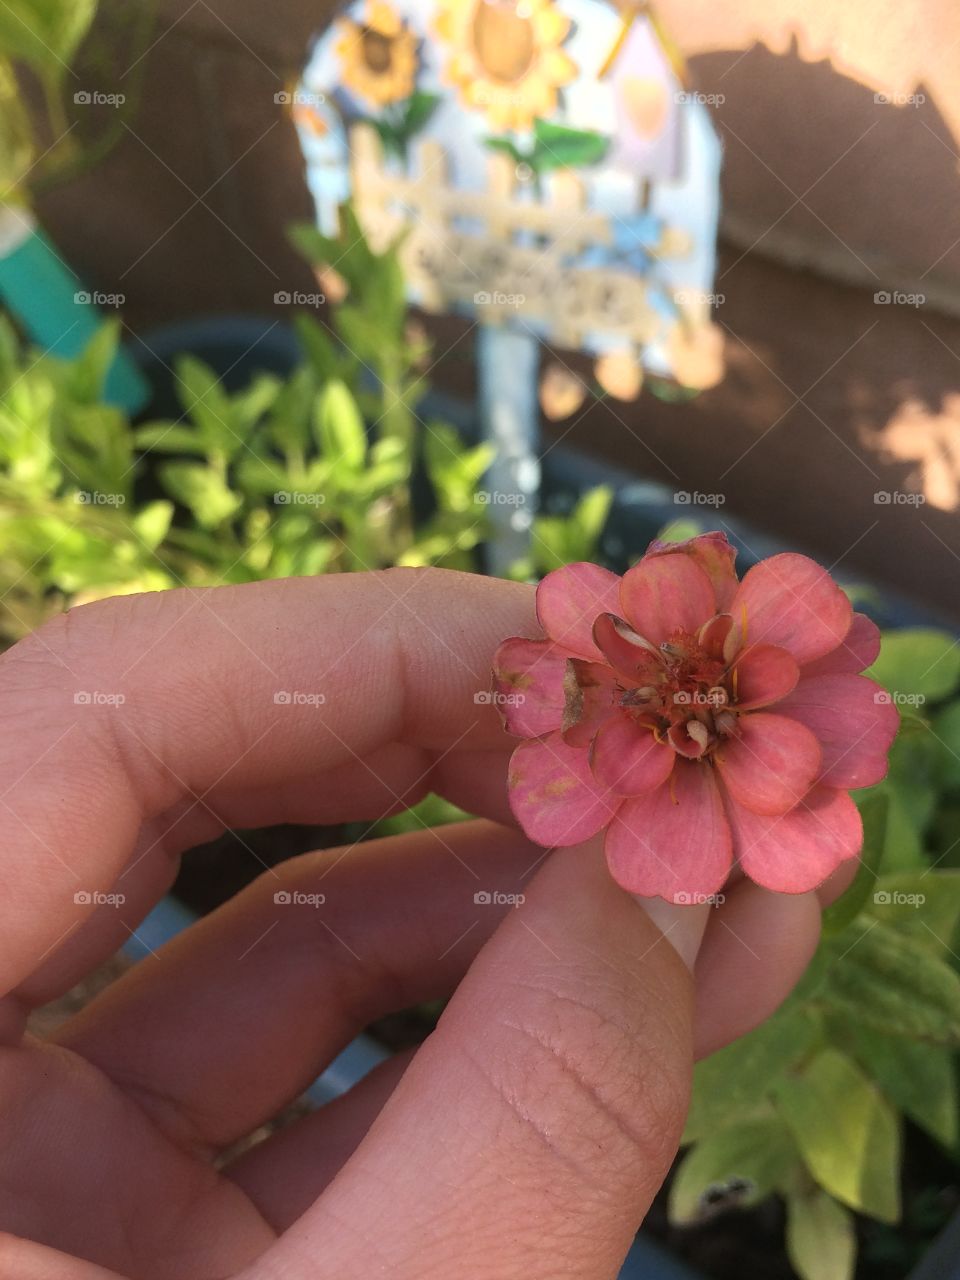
605 1091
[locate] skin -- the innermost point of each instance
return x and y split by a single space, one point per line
527 1136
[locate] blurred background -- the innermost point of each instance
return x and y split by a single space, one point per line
829 198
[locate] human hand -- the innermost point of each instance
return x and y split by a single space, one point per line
527 1136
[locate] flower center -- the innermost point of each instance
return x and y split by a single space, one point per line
687 697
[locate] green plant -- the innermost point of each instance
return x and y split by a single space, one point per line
811 1105
310 474
39 42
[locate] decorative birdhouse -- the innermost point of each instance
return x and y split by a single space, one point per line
556 178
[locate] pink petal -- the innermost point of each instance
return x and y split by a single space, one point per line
627 758
764 674
553 794
715 556
664 593
674 842
570 599
627 652
592 701
769 766
856 651
790 601
528 686
795 852
713 634
855 722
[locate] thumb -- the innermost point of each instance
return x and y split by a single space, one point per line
542 1116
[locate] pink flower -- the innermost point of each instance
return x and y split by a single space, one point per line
702 721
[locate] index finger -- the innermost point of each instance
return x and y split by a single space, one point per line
116 711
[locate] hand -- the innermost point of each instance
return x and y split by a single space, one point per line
527 1136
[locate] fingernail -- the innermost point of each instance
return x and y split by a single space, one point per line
681 926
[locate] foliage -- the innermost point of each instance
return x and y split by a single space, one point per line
40 41
314 473
811 1105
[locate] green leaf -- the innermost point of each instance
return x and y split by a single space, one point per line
821 1240
892 982
44 33
340 429
248 406
168 437
202 491
88 373
589 517
918 662
946 729
203 398
505 145
748 1160
904 844
420 107
558 147
16 135
846 1131
318 345
922 905
873 811
152 522
918 1078
915 764
736 1080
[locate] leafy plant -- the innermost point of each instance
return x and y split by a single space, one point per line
811 1105
40 40
311 474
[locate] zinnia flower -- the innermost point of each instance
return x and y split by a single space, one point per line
702 721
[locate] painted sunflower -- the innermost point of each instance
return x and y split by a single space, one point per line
378 56
505 57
